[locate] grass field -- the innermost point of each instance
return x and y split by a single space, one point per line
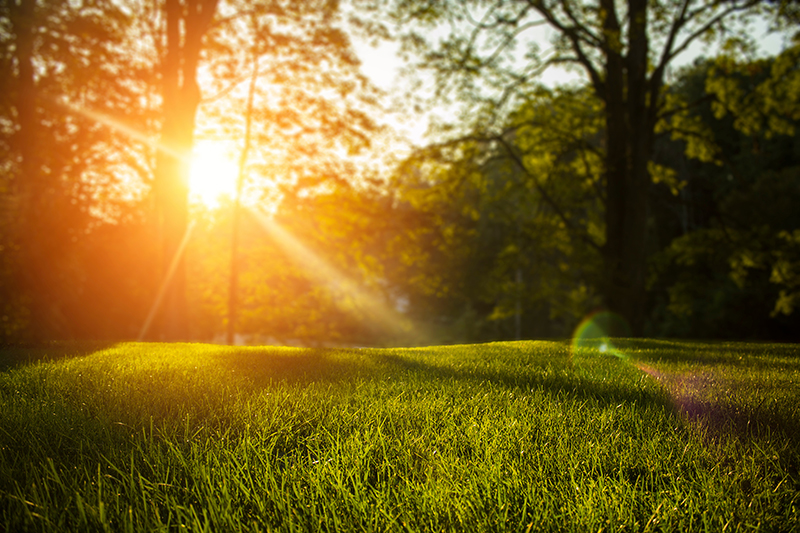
527 436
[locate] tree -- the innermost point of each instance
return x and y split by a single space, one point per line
79 84
337 289
728 261
233 285
59 62
625 51
186 23
493 253
303 53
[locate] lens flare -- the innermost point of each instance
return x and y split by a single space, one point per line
594 334
369 305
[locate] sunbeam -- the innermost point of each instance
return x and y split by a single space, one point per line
121 127
364 303
166 281
343 288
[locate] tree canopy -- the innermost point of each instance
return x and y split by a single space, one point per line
663 194
486 57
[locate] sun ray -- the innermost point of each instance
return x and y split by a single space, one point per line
213 170
120 127
381 314
166 281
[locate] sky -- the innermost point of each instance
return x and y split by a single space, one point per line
382 65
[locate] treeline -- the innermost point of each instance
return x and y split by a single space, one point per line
497 232
521 212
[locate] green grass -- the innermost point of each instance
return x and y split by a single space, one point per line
528 436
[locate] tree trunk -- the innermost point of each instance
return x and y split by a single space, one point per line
187 22
629 140
29 184
233 285
626 232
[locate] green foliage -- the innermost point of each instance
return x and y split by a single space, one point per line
502 437
786 273
486 56
90 144
311 105
326 294
513 223
722 251
685 125
762 96
734 249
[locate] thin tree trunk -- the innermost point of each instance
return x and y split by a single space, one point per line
233 287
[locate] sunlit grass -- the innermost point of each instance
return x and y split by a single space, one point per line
501 437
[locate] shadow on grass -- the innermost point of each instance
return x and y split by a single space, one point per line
263 367
739 420
532 377
728 412
746 402
14 355
755 355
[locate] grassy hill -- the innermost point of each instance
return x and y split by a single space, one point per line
644 435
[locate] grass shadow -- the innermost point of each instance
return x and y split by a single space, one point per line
15 355
265 366
730 415
757 355
532 377
727 406
262 366
739 420
728 388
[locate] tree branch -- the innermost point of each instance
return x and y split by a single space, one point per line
590 38
686 107
546 196
708 25
677 24
575 39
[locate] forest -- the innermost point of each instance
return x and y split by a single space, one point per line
226 171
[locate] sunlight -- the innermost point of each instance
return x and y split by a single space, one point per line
213 169
118 126
212 173
342 287
166 281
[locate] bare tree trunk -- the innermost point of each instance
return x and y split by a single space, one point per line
233 287
629 139
186 21
29 182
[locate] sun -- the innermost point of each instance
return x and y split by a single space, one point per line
212 174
